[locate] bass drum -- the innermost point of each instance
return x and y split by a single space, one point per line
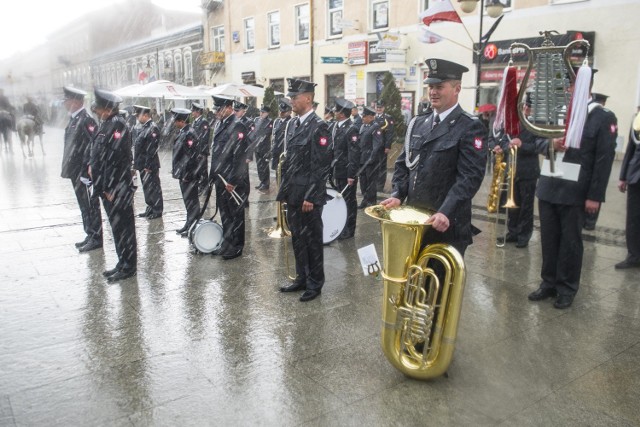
206 236
334 216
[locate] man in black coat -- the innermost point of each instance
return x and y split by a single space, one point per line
279 127
590 220
202 129
230 173
355 117
443 161
147 162
346 162
371 148
260 144
529 146
630 183
186 166
75 166
110 169
563 203
303 188
387 125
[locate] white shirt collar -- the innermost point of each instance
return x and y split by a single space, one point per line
340 123
305 115
445 113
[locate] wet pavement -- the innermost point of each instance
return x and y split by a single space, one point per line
196 340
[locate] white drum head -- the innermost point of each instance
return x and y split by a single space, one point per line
207 236
334 216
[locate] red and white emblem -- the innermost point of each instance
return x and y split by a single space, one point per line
153 135
379 133
477 143
614 128
323 141
91 128
189 142
240 135
354 138
117 135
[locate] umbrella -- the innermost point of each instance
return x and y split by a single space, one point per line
169 90
129 91
486 108
237 90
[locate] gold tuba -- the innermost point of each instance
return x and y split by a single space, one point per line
496 182
420 313
282 227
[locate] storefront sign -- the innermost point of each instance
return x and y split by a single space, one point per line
357 53
378 55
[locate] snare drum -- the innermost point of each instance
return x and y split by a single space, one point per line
206 236
334 216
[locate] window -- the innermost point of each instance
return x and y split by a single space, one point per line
217 39
424 5
188 66
277 85
273 22
302 23
335 16
177 67
334 84
249 34
379 14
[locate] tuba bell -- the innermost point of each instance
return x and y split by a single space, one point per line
420 313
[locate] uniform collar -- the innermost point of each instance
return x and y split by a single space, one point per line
445 113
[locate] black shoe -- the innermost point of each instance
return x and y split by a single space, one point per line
216 252
294 287
154 215
257 187
185 233
589 227
144 214
627 264
511 239
121 275
522 244
81 244
232 256
182 230
542 293
563 301
262 187
309 294
111 272
90 245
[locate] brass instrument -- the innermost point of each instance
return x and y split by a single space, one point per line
496 182
550 65
511 179
420 313
282 227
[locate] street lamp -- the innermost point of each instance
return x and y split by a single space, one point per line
494 10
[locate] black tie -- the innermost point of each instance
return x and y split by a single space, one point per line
436 120
296 123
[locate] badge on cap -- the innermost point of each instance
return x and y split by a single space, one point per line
477 143
323 141
433 64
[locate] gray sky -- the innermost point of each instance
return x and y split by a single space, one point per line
26 23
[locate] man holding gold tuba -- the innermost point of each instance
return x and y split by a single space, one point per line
443 161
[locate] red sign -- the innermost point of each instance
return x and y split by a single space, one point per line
496 75
490 51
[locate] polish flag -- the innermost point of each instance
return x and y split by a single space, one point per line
141 75
429 37
440 11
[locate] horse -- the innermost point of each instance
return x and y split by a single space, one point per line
27 130
6 125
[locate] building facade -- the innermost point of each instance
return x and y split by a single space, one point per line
345 46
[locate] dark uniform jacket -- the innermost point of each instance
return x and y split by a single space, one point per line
595 157
186 149
445 170
146 147
387 126
357 121
202 130
260 136
229 153
630 170
307 163
110 159
346 150
77 142
371 143
528 163
277 140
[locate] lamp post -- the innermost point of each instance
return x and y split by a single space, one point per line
494 10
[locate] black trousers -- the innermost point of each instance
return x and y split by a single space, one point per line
368 184
521 219
232 218
382 171
189 191
262 164
633 222
123 226
204 173
349 196
308 249
152 191
562 249
89 210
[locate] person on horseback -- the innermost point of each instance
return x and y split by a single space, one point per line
31 109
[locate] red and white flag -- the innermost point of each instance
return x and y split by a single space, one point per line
141 75
440 11
429 37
